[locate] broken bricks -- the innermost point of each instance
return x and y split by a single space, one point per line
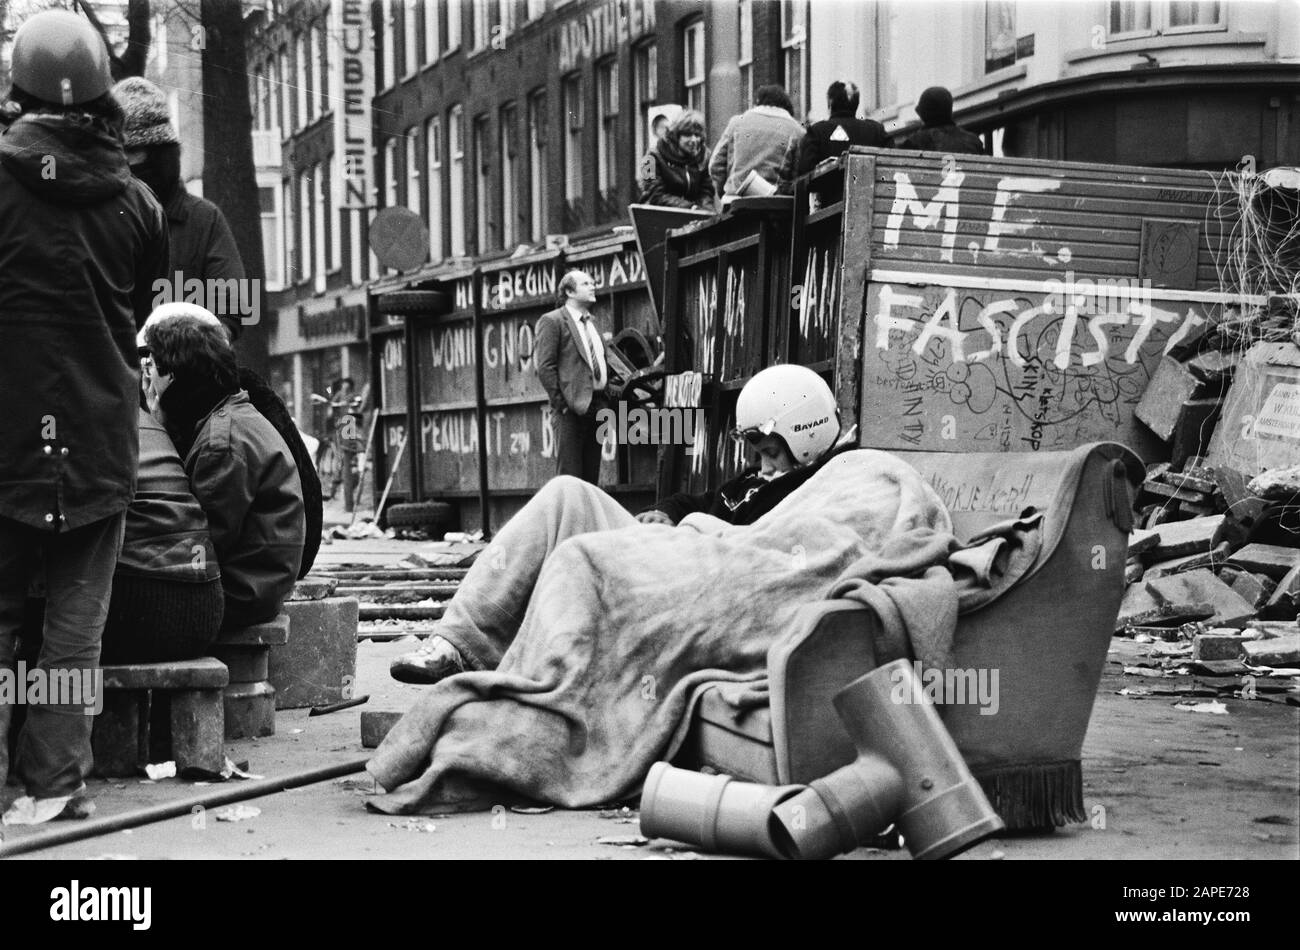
1201 586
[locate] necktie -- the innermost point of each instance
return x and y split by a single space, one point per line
585 322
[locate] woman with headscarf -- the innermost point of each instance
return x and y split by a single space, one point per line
675 172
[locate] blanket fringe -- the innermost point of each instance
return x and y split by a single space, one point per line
1035 795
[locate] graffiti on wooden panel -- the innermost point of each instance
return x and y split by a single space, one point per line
943 211
947 368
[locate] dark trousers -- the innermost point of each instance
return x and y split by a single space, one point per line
54 756
578 451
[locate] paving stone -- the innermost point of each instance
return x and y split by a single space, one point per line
120 737
1133 571
249 710
375 724
1190 482
203 673
1193 430
1210 646
1140 608
1255 589
1201 586
1170 491
198 730
1275 651
1279 484
1271 559
1211 559
318 665
272 633
313 588
1170 387
1141 541
248 663
1284 602
1181 538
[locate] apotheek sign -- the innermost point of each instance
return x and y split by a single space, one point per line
601 29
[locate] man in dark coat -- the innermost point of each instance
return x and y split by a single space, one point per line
570 358
940 133
81 244
830 137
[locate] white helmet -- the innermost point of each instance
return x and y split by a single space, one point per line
794 403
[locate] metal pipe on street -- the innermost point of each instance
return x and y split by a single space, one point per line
154 813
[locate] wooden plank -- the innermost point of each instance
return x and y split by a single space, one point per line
859 222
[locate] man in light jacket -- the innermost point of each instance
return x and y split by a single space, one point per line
764 140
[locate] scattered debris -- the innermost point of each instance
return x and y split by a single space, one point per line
1214 707
161 770
624 841
237 813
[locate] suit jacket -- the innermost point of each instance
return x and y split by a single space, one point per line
561 363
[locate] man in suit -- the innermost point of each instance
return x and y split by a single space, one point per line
570 358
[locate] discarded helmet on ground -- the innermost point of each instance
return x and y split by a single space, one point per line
794 403
59 58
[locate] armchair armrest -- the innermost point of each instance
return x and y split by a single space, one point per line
830 645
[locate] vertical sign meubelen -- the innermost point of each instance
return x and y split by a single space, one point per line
354 88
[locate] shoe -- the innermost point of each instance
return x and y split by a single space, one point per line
436 659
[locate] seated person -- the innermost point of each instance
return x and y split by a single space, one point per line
166 603
794 390
240 469
584 632
675 172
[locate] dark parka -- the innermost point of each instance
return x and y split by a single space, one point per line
245 478
670 176
81 244
202 245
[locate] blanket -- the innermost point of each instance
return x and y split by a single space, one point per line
622 626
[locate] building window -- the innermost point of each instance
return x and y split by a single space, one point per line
573 121
536 9
282 72
258 94
390 173
322 48
482 183
745 57
694 70
480 25
433 158
431 32
387 71
645 94
333 218
453 25
999 34
305 250
606 134
456 153
1144 17
410 32
506 17
303 116
537 196
289 244
319 210
271 250
509 178
413 168
794 58
1190 14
